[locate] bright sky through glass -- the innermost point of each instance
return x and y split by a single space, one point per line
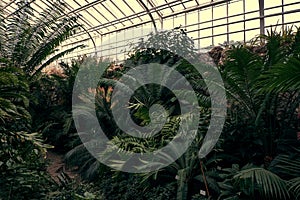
119 22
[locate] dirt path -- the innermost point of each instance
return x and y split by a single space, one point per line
57 168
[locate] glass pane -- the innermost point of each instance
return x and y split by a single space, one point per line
204 43
273 21
206 32
251 34
220 30
252 24
193 34
236 37
292 6
168 23
206 15
179 20
272 3
235 8
220 39
251 5
276 11
220 11
236 27
192 18
252 15
291 17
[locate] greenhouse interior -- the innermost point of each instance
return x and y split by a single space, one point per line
150 99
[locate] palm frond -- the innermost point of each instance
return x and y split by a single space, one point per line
55 57
286 166
282 76
28 41
294 187
240 74
258 181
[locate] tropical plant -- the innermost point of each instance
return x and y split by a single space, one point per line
186 168
26 46
257 182
27 42
246 74
281 72
14 98
262 124
21 152
98 97
52 116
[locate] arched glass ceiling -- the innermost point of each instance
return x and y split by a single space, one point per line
208 22
106 16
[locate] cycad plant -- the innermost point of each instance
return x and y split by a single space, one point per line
148 95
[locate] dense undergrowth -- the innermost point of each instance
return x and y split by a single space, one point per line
257 156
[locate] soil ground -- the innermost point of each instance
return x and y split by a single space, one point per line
57 166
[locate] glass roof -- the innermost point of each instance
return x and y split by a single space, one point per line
207 22
105 16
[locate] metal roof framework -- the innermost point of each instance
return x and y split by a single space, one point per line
102 18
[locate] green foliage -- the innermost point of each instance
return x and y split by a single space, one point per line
262 122
27 42
153 50
286 165
252 182
22 168
23 176
162 192
52 114
255 106
261 183
123 186
26 46
145 96
294 187
14 97
20 163
242 67
283 76
76 191
78 155
282 61
260 132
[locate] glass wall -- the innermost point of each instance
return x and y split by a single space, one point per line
209 24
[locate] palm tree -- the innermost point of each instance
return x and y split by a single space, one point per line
264 94
30 43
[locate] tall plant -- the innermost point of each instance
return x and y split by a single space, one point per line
262 123
27 45
31 43
187 166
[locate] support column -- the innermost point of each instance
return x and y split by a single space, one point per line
262 16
